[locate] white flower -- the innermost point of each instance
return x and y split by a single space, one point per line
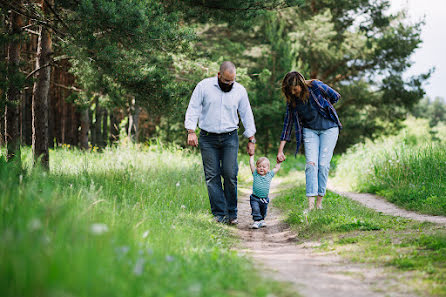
145 234
183 206
178 184
34 224
98 228
169 258
139 266
122 250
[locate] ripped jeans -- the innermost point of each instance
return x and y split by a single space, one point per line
319 146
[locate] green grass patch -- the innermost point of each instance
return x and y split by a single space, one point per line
408 169
365 236
123 222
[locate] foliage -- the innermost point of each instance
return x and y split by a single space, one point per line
408 169
361 50
434 110
362 235
124 222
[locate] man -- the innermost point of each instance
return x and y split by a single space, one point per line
214 104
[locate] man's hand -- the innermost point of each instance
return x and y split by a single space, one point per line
251 147
192 139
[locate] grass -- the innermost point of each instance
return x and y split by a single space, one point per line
408 169
124 222
362 235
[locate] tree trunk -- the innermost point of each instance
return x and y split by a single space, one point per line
40 95
74 125
2 128
85 127
26 129
134 111
104 127
114 128
12 132
97 124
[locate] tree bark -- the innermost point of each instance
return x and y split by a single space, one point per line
97 124
104 127
12 132
114 128
85 127
40 95
2 128
134 111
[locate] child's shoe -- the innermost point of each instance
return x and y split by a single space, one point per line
256 225
262 224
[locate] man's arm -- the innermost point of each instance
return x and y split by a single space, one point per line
192 114
245 112
252 163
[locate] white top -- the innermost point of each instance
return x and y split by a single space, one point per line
216 111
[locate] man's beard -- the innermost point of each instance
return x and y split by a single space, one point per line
225 87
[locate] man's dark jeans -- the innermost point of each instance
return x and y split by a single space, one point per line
258 207
219 154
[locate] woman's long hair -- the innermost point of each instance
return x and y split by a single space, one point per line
293 79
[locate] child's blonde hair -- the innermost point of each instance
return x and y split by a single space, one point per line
261 160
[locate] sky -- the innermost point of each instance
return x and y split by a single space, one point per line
432 52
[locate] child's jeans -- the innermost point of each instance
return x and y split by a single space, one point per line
258 207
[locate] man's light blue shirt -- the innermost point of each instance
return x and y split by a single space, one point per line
216 111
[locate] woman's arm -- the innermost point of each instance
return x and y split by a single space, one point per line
332 95
280 155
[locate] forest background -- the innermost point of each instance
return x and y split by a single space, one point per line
91 73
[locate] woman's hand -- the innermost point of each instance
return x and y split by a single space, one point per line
280 157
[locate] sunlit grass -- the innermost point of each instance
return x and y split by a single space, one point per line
363 235
408 169
123 222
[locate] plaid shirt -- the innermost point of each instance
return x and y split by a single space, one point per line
323 97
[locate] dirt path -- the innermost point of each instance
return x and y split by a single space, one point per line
380 204
277 252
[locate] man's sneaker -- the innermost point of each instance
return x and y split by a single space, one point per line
262 224
256 225
220 219
233 222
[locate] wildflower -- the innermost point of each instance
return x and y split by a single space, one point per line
195 289
169 258
178 184
145 234
34 224
98 229
183 206
122 250
139 266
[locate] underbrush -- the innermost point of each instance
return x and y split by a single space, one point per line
363 235
408 169
123 222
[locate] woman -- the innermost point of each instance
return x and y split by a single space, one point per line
310 108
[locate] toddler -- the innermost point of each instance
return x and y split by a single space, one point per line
259 200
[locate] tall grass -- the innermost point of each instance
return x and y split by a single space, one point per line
409 169
124 222
363 235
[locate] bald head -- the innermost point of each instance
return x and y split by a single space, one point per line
228 67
